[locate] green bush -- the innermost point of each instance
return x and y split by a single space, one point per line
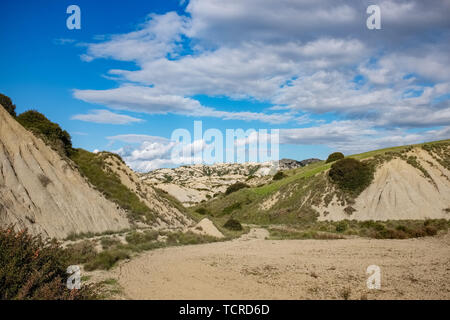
279 175
94 168
32 269
105 260
235 187
50 132
202 211
334 157
6 102
341 226
351 175
233 224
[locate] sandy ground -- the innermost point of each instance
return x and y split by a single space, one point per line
254 268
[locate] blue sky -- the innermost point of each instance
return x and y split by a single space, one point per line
138 70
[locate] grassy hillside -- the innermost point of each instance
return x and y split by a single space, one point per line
291 200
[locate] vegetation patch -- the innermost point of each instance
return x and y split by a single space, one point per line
393 229
50 132
235 187
33 269
6 102
351 175
335 156
95 169
279 175
233 224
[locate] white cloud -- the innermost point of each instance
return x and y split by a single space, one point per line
151 101
105 116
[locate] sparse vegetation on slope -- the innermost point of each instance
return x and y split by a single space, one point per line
52 134
295 199
6 102
93 167
235 187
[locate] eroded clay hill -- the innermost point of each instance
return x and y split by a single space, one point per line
413 186
168 212
40 191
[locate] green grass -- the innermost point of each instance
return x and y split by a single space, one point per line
94 168
393 229
299 191
84 252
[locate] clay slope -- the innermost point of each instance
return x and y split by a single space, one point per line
400 191
40 191
168 212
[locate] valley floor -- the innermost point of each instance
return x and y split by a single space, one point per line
254 268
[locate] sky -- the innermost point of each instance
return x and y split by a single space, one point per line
138 70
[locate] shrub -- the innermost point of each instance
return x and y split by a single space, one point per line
351 175
32 269
105 260
50 132
141 237
279 175
202 211
233 224
6 102
341 226
334 157
235 187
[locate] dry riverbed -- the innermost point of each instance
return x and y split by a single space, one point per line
252 267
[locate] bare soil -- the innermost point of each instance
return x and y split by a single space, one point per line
252 267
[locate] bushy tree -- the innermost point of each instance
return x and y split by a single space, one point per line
279 175
50 132
334 157
6 102
351 175
233 224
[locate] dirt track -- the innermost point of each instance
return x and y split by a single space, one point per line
254 268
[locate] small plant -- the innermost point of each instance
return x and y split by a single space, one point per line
345 293
45 181
235 187
233 224
334 157
341 226
279 175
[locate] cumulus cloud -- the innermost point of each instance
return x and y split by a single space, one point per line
307 59
105 116
151 101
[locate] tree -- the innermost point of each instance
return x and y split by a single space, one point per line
351 175
334 157
6 102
